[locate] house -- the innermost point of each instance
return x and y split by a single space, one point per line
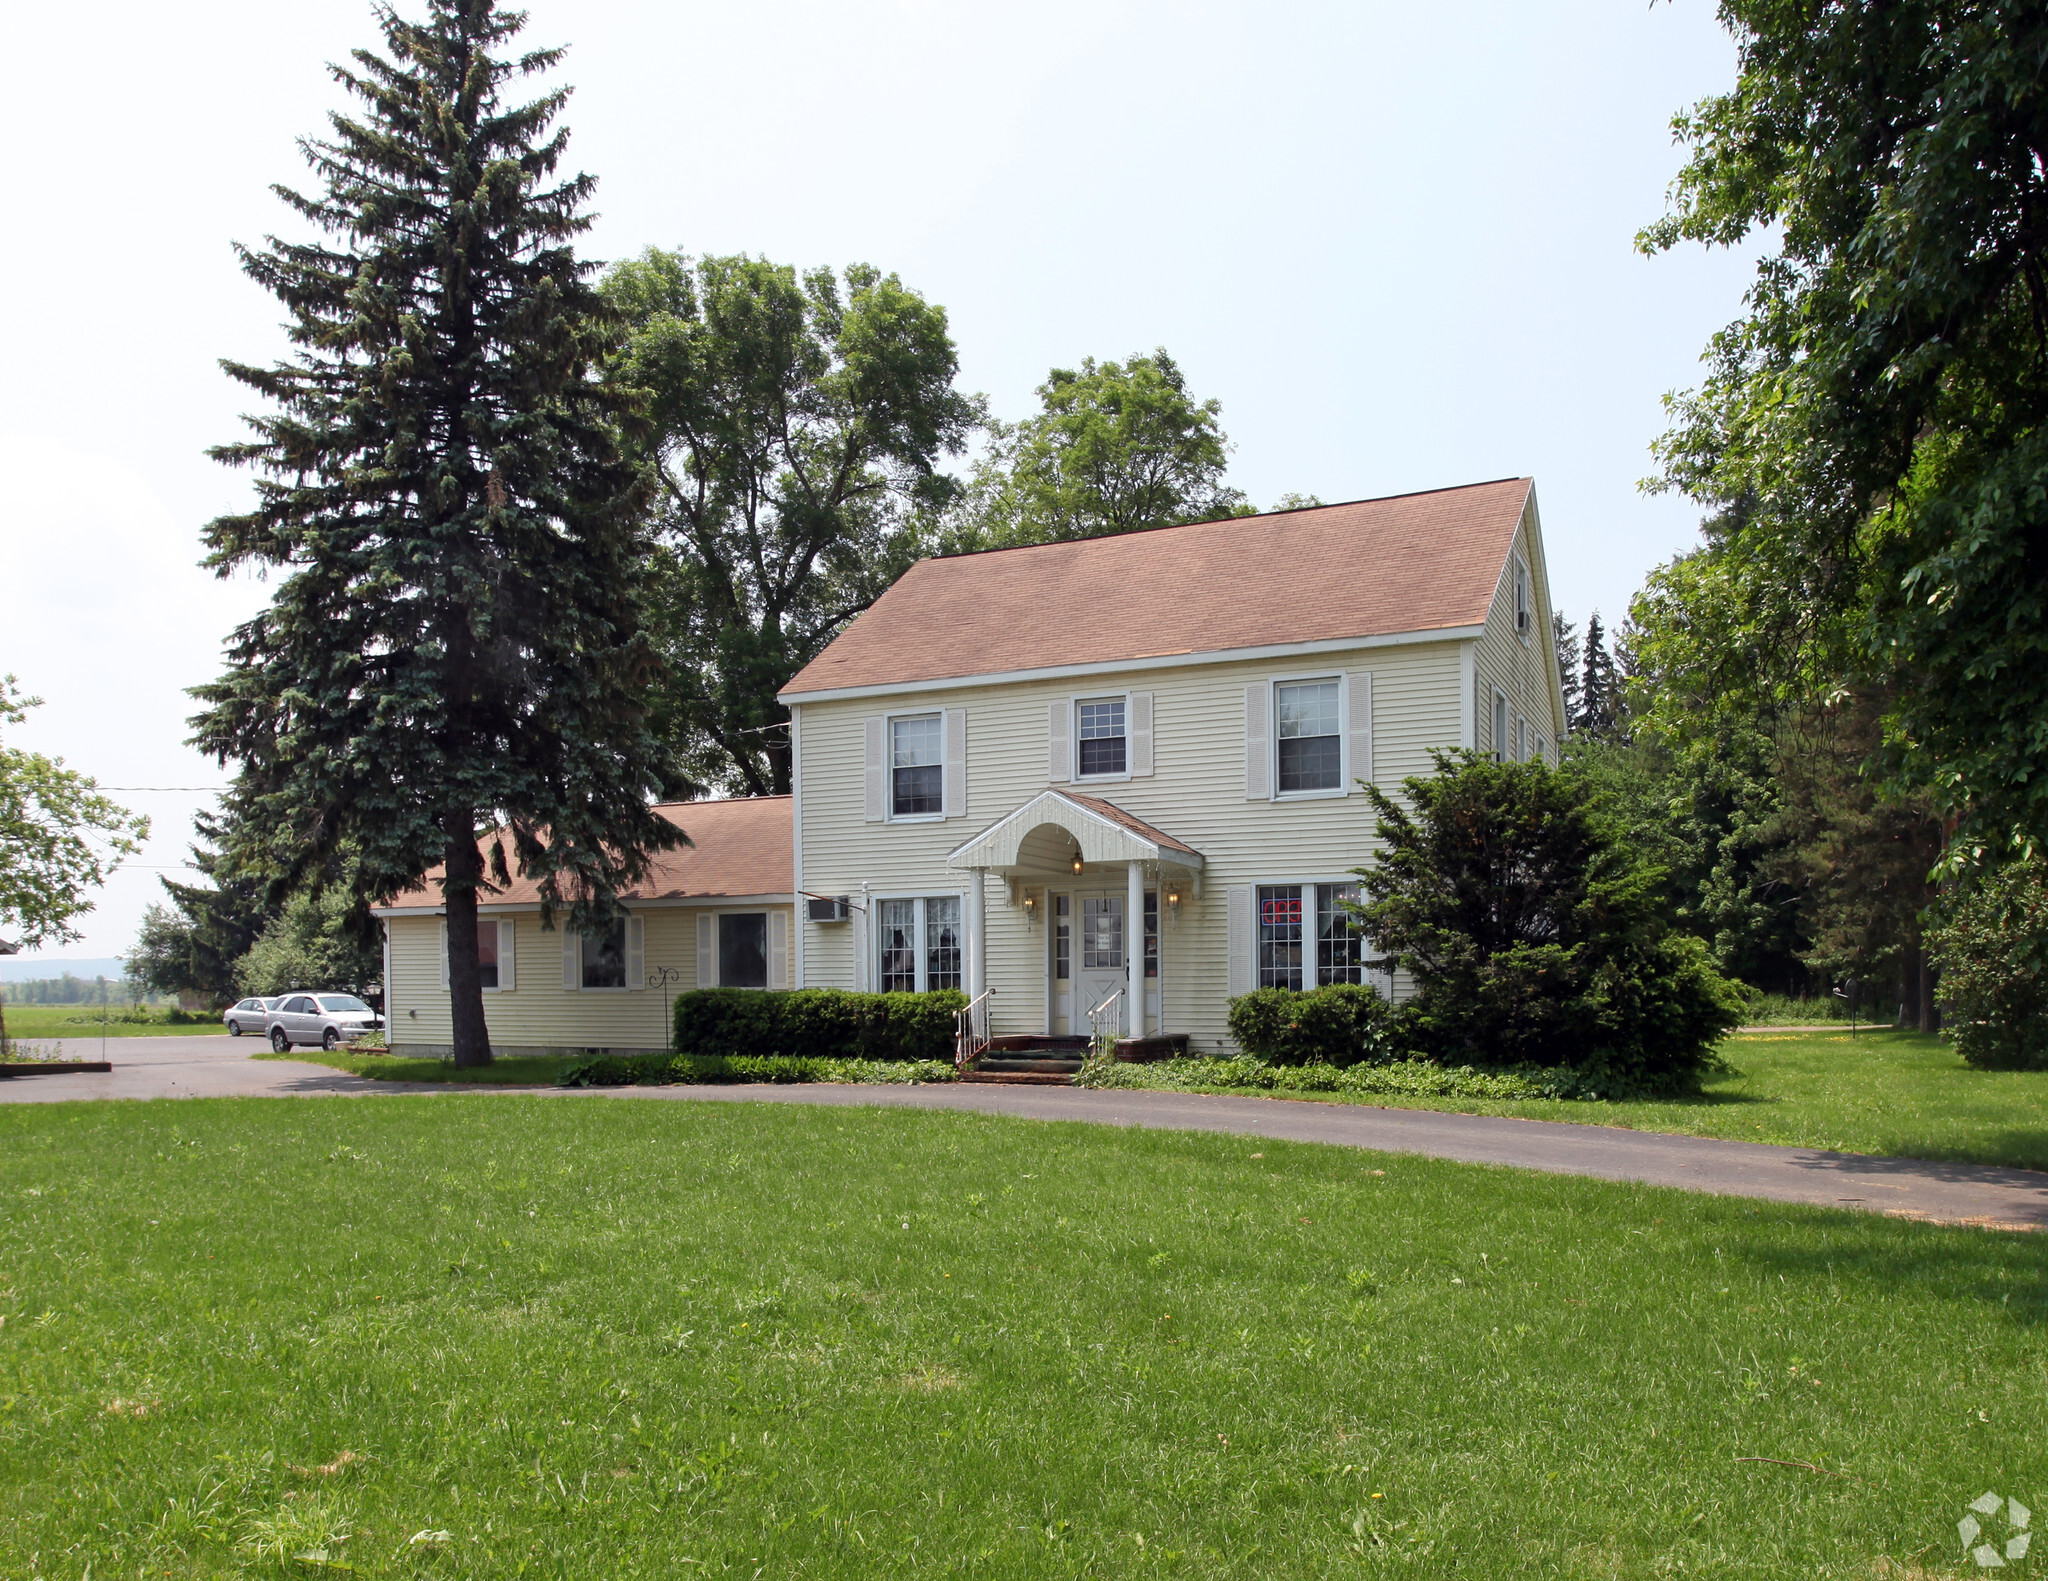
1106 784
1114 783
716 912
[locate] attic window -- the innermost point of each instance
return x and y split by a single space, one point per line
1525 603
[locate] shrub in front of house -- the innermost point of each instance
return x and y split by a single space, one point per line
668 1070
817 1023
1344 1024
1992 948
1536 937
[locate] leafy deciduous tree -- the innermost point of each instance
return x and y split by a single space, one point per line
793 430
1118 447
457 645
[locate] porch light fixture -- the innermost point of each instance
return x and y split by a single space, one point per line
1173 899
1077 861
1030 908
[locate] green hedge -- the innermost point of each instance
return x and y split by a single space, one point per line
817 1023
1400 1078
665 1070
1344 1024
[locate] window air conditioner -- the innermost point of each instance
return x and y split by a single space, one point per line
826 908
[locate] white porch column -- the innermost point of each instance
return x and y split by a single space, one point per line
977 933
1134 948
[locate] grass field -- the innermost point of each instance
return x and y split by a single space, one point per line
1892 1093
83 1021
506 1336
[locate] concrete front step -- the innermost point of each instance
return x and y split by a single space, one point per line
1015 1064
1017 1078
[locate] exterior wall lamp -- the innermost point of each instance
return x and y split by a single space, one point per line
1077 861
1173 898
1030 908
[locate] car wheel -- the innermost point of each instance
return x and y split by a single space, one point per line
234 1027
330 1040
280 1040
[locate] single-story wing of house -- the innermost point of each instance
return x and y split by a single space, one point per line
717 912
1100 786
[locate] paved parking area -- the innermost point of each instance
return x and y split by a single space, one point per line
1976 1194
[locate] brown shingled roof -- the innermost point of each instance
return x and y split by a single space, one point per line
1412 562
743 847
1128 820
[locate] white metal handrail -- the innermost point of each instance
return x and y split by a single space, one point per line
970 1031
1106 1025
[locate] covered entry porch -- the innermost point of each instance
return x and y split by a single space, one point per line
1095 886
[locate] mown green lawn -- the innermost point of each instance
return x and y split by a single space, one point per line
1898 1094
82 1022
1891 1093
486 1336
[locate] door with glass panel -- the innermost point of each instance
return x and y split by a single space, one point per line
1088 963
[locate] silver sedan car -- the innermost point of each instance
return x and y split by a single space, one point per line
251 1015
329 1020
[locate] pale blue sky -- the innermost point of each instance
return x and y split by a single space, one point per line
1395 241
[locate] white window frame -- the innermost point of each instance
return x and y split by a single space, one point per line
1343 785
889 812
1498 726
921 970
767 945
626 943
1524 606
1381 982
1074 775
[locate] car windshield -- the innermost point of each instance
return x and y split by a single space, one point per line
341 1002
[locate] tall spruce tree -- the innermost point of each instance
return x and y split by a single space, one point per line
1599 687
457 646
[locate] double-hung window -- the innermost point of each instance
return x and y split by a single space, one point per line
604 957
917 772
1099 734
922 945
1311 749
1307 938
743 949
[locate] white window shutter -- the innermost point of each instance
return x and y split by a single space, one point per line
876 765
636 952
506 930
1258 745
956 763
1140 726
1059 733
1358 728
444 957
1238 927
707 950
572 959
778 949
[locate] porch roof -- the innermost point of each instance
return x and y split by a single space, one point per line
1042 834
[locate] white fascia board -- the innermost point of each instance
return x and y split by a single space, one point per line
1155 661
630 902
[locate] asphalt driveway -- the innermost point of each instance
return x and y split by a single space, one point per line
1975 1194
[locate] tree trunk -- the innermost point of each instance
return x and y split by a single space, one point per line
1930 1015
464 866
3 1029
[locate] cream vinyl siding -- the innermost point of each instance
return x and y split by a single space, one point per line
538 1014
1195 793
1524 673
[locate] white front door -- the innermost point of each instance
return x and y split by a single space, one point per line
1089 940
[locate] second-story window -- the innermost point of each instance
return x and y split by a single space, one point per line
917 766
1100 732
1311 751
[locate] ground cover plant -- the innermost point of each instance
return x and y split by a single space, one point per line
568 1337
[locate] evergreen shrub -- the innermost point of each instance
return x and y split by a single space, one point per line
817 1023
1343 1024
1992 949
